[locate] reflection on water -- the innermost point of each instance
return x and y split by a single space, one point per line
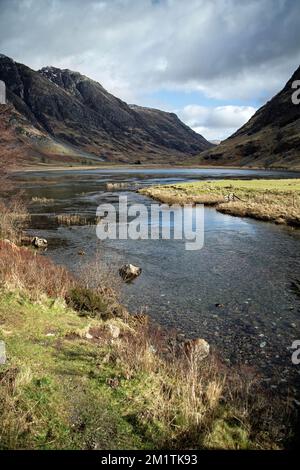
236 292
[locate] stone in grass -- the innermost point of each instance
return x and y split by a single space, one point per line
113 330
196 348
2 353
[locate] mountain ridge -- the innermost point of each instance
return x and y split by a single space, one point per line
271 137
75 115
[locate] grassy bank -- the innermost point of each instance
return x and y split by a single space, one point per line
83 374
270 200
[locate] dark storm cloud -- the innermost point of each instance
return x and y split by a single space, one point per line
228 49
147 43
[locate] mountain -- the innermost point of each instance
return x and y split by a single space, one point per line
61 115
271 138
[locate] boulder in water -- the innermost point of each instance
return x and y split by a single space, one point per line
128 272
39 242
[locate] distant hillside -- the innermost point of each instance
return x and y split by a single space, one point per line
271 138
60 115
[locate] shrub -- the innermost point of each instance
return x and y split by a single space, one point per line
87 302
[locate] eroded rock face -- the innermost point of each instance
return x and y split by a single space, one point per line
128 272
196 348
39 242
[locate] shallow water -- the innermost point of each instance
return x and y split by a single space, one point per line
245 266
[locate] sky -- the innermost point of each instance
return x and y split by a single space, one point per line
213 62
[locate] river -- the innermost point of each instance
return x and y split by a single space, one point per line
236 292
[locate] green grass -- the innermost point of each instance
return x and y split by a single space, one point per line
59 397
239 187
62 390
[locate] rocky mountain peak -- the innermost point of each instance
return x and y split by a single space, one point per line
79 116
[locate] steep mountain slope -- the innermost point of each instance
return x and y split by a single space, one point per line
76 117
271 138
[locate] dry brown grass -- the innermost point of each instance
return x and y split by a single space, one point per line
42 200
198 404
75 219
71 219
24 270
179 393
284 210
269 200
13 212
97 276
13 218
173 195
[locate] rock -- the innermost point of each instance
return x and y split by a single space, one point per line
196 348
113 382
114 330
152 349
88 336
39 242
128 272
180 337
2 353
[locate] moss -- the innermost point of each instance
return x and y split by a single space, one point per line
228 434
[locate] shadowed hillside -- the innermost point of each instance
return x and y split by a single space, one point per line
271 138
63 114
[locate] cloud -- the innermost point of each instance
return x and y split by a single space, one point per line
226 50
218 122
